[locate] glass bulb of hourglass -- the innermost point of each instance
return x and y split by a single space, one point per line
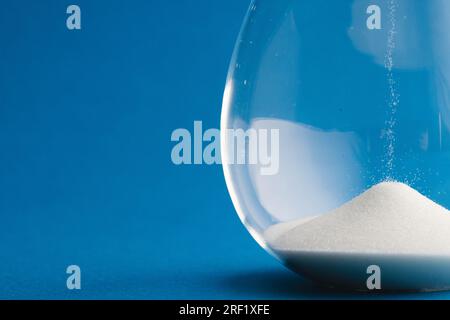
336 138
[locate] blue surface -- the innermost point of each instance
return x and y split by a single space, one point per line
86 177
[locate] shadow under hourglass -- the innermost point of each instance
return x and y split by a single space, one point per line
283 284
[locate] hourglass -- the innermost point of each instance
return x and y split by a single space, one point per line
335 139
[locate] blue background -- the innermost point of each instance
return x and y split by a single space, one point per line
86 176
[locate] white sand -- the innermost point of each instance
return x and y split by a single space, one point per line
390 219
